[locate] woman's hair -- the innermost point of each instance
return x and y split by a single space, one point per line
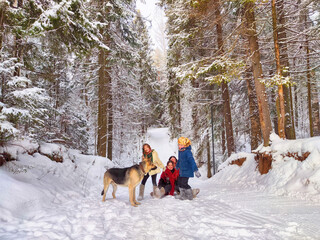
146 144
170 162
174 158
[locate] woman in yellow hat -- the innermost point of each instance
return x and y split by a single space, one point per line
187 168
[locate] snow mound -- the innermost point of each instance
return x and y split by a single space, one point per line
34 180
295 169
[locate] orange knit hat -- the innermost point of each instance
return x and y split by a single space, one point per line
184 141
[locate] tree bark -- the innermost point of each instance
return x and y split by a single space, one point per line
110 116
251 33
284 62
224 86
255 130
102 106
105 108
315 106
308 77
281 119
209 174
223 137
228 119
174 105
3 7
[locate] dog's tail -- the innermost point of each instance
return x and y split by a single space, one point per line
102 192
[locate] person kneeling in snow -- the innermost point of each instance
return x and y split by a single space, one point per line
187 168
167 180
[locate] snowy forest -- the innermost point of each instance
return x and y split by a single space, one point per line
86 83
85 74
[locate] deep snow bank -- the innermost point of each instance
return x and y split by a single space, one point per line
287 176
34 180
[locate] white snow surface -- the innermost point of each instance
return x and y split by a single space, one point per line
42 199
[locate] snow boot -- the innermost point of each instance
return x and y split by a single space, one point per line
156 192
188 194
141 192
162 192
195 192
182 195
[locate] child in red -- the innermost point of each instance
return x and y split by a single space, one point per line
167 180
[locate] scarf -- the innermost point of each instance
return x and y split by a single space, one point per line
149 156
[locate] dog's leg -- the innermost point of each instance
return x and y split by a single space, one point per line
106 182
114 185
134 196
131 198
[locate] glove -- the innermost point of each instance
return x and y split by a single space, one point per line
197 173
167 179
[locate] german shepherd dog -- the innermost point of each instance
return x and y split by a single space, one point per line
129 177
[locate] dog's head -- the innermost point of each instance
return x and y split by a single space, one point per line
147 166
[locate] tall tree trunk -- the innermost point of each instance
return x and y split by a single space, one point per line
110 115
228 119
102 106
275 109
255 130
209 166
315 106
281 119
223 136
308 76
105 114
295 96
224 87
18 49
174 105
3 7
284 62
251 33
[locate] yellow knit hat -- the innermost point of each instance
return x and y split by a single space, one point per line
184 141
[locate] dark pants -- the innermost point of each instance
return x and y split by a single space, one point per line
183 182
153 177
167 186
176 186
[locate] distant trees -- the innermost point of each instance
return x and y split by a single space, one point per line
81 72
241 49
78 72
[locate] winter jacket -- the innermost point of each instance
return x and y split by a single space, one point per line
173 176
186 163
157 162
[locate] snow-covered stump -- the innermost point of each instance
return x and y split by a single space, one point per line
52 151
296 156
238 162
264 160
5 157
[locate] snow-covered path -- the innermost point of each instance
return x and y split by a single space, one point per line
44 200
220 212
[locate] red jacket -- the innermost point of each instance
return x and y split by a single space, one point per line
172 178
